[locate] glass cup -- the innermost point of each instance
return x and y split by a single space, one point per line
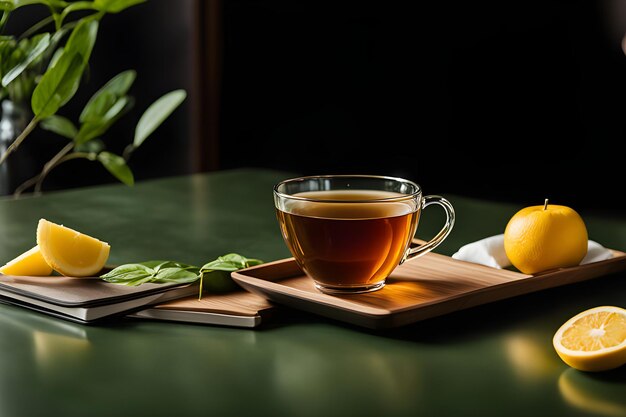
349 232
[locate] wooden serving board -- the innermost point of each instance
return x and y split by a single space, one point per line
429 286
238 303
239 309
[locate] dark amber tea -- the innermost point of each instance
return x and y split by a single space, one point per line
349 232
351 244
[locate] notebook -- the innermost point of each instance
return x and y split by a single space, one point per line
238 308
86 300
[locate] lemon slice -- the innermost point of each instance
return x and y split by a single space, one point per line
594 340
69 252
30 263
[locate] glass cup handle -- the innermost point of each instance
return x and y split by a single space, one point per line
443 233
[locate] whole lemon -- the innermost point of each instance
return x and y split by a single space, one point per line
539 238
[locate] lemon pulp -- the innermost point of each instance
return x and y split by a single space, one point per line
598 331
69 252
30 263
594 340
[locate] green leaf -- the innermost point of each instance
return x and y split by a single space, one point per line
240 260
115 6
97 106
55 57
152 271
59 125
215 275
106 96
7 44
230 262
129 274
60 82
60 34
34 53
180 275
138 281
121 83
159 271
88 132
93 146
156 114
218 282
56 86
97 127
220 265
117 166
76 6
116 109
6 50
21 3
153 264
56 3
173 264
83 38
107 105
253 262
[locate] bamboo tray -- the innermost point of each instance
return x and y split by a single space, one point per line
429 286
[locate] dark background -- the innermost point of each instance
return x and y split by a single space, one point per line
510 101
504 100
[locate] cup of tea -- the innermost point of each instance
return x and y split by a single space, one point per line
349 232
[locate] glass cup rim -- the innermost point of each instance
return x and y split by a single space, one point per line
404 197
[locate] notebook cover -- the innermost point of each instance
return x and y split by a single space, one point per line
239 308
78 292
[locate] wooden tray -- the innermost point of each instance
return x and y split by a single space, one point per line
425 287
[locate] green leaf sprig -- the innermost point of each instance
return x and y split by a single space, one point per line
214 276
218 272
39 66
152 271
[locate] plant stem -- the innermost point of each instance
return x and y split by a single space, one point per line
545 204
74 7
128 150
201 283
51 164
37 26
3 19
25 186
29 128
38 179
56 18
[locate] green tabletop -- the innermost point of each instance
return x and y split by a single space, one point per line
493 360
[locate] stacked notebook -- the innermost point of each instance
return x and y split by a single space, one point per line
239 308
90 300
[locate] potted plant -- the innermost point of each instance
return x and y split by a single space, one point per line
41 70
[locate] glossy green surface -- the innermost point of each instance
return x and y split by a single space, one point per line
494 360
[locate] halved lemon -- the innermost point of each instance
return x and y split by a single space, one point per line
69 252
594 340
30 263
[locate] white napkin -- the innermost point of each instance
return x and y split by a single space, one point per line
490 251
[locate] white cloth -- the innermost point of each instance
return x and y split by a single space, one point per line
490 251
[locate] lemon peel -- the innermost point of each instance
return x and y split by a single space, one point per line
70 252
29 263
593 340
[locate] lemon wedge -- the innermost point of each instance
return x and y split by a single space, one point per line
30 263
594 340
69 252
